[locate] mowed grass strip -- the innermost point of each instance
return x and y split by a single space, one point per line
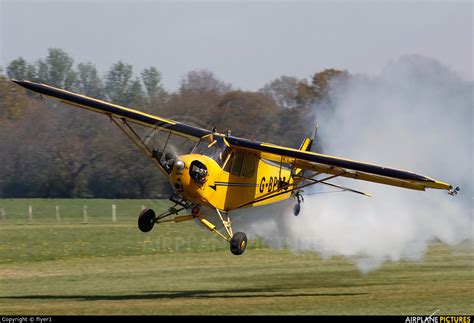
112 268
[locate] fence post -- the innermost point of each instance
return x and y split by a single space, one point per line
4 217
30 213
58 218
114 213
84 213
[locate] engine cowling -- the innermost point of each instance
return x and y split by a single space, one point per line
191 175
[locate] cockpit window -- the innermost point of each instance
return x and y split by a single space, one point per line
214 148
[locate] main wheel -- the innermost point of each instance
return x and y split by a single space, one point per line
238 243
146 220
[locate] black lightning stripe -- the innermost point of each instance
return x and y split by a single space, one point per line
214 187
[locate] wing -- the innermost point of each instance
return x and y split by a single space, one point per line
116 111
300 159
320 163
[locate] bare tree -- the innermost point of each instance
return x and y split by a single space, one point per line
283 90
203 81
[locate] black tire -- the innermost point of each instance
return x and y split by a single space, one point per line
296 209
238 243
146 220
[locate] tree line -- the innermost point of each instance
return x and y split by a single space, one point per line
50 151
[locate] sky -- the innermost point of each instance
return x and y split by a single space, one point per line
245 43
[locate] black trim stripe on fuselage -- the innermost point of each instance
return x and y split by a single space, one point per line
327 160
235 184
228 184
109 108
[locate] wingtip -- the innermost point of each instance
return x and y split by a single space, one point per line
453 191
23 83
19 82
439 185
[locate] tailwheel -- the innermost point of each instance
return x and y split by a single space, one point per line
146 220
299 199
296 209
238 243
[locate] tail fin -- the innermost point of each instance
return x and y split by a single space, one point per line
308 142
306 145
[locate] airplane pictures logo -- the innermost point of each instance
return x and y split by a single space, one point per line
439 319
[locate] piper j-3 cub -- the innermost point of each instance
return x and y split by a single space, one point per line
226 173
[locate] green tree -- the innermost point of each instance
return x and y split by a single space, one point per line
20 69
151 78
57 69
136 95
118 82
88 81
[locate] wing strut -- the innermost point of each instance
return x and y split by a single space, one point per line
335 185
284 190
347 189
137 141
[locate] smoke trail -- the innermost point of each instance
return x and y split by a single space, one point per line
416 115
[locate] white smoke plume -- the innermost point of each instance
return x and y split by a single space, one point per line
416 115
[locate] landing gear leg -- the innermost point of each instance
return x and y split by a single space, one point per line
237 241
148 217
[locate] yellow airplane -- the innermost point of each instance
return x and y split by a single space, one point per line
226 173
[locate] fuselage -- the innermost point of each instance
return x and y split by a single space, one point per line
216 176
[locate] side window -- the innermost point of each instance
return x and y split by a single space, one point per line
248 167
228 164
241 164
237 164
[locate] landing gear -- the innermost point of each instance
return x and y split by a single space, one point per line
146 220
299 199
238 243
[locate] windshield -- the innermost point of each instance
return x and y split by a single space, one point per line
216 149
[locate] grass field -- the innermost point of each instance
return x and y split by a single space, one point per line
100 267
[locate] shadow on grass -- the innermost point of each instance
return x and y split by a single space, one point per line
236 293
